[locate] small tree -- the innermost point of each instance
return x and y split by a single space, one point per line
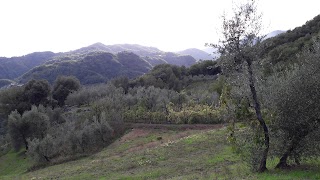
102 128
17 131
63 86
238 47
42 150
122 82
32 124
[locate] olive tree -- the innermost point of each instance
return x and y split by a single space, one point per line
295 99
32 124
238 47
63 86
37 91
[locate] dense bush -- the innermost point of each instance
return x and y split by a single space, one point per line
196 114
205 68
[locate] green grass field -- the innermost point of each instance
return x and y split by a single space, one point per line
156 154
13 165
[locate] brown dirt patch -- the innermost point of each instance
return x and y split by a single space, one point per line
135 133
175 126
143 130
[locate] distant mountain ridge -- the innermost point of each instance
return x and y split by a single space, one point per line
99 63
40 64
197 54
90 68
135 48
14 67
153 55
273 34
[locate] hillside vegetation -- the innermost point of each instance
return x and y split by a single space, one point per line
281 51
153 55
14 67
128 111
91 68
128 60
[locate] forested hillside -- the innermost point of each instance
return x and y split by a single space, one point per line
130 60
281 51
14 67
153 55
93 67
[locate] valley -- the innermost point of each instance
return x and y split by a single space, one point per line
246 107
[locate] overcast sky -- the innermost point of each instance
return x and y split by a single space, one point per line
171 25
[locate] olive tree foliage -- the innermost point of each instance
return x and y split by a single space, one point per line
37 91
138 104
75 137
63 86
5 145
88 94
295 100
239 49
21 98
13 99
42 150
32 124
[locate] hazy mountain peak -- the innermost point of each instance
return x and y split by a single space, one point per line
273 34
98 44
197 54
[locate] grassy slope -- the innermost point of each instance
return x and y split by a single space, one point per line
13 164
162 154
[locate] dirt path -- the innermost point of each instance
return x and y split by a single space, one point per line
175 126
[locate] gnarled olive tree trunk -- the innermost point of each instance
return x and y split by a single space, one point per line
262 123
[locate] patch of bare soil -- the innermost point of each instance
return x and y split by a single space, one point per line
135 133
143 130
175 126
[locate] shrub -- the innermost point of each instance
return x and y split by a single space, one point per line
42 150
202 114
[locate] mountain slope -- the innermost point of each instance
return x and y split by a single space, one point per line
151 54
14 67
282 49
273 34
135 48
179 60
197 54
11 68
90 68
